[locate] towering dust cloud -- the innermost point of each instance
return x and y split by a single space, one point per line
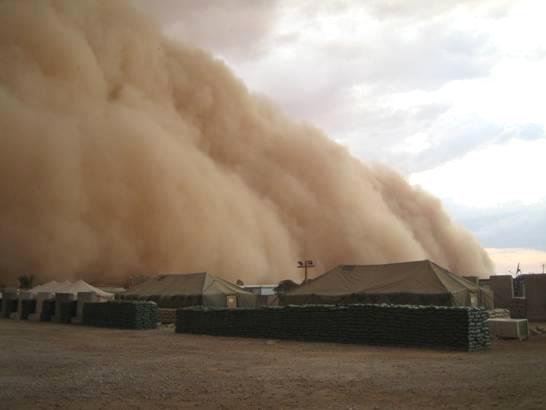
125 153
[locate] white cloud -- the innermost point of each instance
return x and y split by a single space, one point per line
415 143
235 29
503 226
377 79
491 176
376 74
507 259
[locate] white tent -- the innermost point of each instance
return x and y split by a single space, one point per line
82 286
46 287
69 287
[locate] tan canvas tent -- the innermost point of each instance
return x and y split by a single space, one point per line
181 290
415 283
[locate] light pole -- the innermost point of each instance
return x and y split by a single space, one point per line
304 265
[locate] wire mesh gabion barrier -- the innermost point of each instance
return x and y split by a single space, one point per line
457 328
121 314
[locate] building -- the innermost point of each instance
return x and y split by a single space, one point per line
524 295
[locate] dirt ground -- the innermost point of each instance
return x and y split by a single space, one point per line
45 365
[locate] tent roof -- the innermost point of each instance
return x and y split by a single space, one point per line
189 284
45 287
69 287
420 277
51 287
82 286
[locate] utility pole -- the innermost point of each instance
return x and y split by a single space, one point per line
304 265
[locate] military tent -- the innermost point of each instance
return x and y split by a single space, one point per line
70 287
49 287
408 283
81 286
192 289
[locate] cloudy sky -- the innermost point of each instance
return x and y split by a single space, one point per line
450 93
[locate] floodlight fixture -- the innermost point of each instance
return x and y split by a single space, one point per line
307 263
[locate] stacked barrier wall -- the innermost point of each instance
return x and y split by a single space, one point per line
458 328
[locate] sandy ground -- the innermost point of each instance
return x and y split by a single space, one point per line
45 365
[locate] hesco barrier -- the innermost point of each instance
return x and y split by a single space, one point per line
458 328
10 306
48 310
121 315
166 302
67 310
28 307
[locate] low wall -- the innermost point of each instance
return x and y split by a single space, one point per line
459 328
165 302
121 315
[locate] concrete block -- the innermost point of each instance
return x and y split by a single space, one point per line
509 328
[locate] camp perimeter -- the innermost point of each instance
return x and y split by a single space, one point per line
418 304
395 333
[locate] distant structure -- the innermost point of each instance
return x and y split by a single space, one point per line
111 289
266 294
524 295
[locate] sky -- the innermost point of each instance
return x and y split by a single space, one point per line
450 93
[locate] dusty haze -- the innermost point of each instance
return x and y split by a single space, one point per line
124 153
